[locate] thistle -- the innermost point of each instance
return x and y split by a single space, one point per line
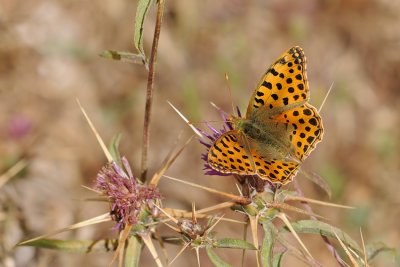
127 196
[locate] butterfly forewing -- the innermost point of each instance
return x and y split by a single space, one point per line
284 84
228 155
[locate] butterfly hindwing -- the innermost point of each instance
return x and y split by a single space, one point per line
276 171
228 155
307 129
284 84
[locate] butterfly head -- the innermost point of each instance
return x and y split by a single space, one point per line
234 121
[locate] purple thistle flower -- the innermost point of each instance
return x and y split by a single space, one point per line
127 196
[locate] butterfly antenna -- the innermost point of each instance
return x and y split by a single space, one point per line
326 97
202 122
220 110
230 92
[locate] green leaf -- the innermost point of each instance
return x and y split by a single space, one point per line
172 240
321 228
215 259
281 196
124 56
80 246
278 259
141 12
267 245
233 243
375 248
113 148
318 180
133 252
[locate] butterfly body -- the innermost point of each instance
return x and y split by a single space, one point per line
279 130
269 138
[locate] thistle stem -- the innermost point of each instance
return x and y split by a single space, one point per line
149 92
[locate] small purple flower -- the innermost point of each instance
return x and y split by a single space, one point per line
127 196
19 127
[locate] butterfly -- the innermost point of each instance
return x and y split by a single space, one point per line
280 128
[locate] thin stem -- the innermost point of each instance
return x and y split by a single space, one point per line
133 251
238 199
318 202
150 87
14 170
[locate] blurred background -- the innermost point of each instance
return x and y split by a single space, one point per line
49 57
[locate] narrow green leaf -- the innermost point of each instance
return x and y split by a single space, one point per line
141 12
318 227
233 243
282 194
133 251
80 246
113 148
124 56
375 248
318 180
278 259
267 245
172 240
215 259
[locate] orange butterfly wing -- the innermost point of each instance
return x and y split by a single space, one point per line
307 129
284 84
281 96
229 155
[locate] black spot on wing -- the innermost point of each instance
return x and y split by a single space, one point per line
259 100
267 84
224 144
307 112
313 121
285 100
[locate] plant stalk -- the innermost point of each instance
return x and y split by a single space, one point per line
149 92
